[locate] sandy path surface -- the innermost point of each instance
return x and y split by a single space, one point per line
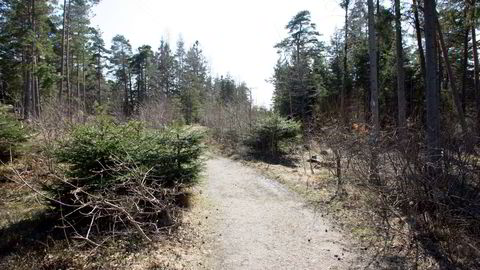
255 223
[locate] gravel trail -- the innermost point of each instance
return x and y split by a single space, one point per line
256 223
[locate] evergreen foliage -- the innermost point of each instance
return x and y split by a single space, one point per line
95 151
268 135
137 169
12 133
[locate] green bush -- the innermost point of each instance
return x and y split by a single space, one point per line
170 155
270 132
11 133
138 170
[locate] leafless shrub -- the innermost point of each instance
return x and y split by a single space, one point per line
54 122
137 205
437 208
229 123
134 205
159 112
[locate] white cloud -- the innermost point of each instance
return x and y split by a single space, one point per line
237 36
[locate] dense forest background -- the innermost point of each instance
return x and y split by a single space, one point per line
51 55
394 96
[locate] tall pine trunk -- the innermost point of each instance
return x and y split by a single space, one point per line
465 58
99 77
38 107
402 114
84 99
27 88
29 84
67 59
77 98
372 51
345 67
34 81
418 32
451 78
475 67
432 94
419 97
62 65
126 77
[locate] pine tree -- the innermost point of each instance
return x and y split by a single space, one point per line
432 95
121 51
194 91
299 48
141 64
98 55
165 75
401 103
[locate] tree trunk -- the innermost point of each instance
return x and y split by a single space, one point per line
62 71
38 107
128 86
451 77
402 114
29 85
377 40
67 60
372 50
465 59
99 77
35 90
418 32
345 67
84 101
290 103
2 90
125 82
77 98
421 54
475 67
432 95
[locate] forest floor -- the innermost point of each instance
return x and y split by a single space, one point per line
252 222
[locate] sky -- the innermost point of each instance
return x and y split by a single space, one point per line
237 37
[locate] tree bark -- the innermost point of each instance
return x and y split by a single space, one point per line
27 88
402 114
465 58
2 90
38 107
99 77
28 100
34 82
345 66
67 60
451 77
419 97
418 33
372 49
432 95
26 95
62 71
125 82
84 100
475 67
77 98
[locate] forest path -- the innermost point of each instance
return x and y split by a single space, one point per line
256 223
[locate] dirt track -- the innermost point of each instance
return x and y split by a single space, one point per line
255 223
